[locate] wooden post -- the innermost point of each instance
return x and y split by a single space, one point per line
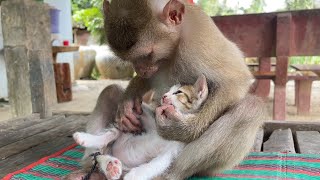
263 86
284 23
28 57
303 96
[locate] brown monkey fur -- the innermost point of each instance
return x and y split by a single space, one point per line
170 42
182 52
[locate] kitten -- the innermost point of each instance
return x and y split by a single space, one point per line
148 155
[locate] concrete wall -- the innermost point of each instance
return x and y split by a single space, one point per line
65 28
3 74
317 3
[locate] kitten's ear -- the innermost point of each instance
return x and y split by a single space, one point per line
201 86
148 97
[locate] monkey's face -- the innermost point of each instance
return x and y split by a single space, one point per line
138 32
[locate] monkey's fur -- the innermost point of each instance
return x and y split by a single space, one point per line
166 49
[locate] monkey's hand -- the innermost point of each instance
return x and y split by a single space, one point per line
127 115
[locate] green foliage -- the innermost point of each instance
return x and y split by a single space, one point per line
95 73
257 6
216 8
219 7
88 14
299 4
305 60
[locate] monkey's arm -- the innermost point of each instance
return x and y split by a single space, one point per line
224 144
187 130
131 101
137 88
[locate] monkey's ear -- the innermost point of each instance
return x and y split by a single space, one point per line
106 6
201 86
173 12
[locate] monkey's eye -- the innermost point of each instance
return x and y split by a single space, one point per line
178 92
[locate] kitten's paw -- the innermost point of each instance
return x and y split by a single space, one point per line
79 138
110 166
114 169
160 117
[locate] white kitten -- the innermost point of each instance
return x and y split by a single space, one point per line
148 155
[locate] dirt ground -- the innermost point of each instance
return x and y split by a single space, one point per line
85 94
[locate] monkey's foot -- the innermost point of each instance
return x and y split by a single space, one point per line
110 166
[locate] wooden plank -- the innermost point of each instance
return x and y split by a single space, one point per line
69 127
19 134
18 123
280 141
71 113
270 126
57 49
264 75
306 67
33 154
257 147
308 142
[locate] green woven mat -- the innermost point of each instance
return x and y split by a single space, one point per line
255 166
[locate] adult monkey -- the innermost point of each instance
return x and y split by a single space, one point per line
169 41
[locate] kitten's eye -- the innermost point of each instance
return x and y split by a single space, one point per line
178 92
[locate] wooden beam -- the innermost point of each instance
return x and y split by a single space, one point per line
67 128
42 126
257 147
308 142
270 126
280 141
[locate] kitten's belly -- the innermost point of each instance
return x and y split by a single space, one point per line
133 151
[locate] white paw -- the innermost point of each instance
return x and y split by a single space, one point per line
79 138
110 166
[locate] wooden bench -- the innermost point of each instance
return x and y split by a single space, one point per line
280 35
303 87
293 137
307 67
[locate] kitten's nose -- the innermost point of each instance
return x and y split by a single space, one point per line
163 98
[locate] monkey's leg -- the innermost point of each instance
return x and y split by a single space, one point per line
102 116
224 144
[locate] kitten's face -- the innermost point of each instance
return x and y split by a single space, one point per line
189 98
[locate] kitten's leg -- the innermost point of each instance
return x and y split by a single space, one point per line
110 166
156 166
96 141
